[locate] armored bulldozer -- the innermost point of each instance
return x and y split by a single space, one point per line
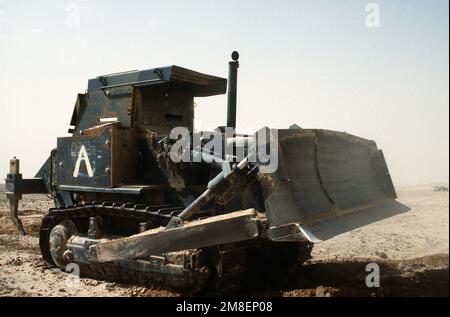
141 196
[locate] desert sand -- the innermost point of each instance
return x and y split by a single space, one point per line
411 248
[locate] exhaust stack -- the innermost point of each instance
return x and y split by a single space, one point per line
232 90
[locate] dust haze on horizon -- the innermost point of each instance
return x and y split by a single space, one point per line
313 63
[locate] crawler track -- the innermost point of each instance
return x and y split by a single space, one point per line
216 269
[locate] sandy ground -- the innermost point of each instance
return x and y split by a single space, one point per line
422 231
410 248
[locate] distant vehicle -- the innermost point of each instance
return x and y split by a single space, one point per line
440 188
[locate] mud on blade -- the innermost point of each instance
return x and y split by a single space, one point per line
326 183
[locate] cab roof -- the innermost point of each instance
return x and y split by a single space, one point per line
201 85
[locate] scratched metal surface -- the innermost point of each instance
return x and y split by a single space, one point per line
99 156
325 175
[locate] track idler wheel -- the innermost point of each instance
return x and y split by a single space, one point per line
59 236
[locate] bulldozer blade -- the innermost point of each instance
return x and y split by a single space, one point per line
329 228
326 183
229 228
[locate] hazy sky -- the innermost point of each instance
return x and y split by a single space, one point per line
314 63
